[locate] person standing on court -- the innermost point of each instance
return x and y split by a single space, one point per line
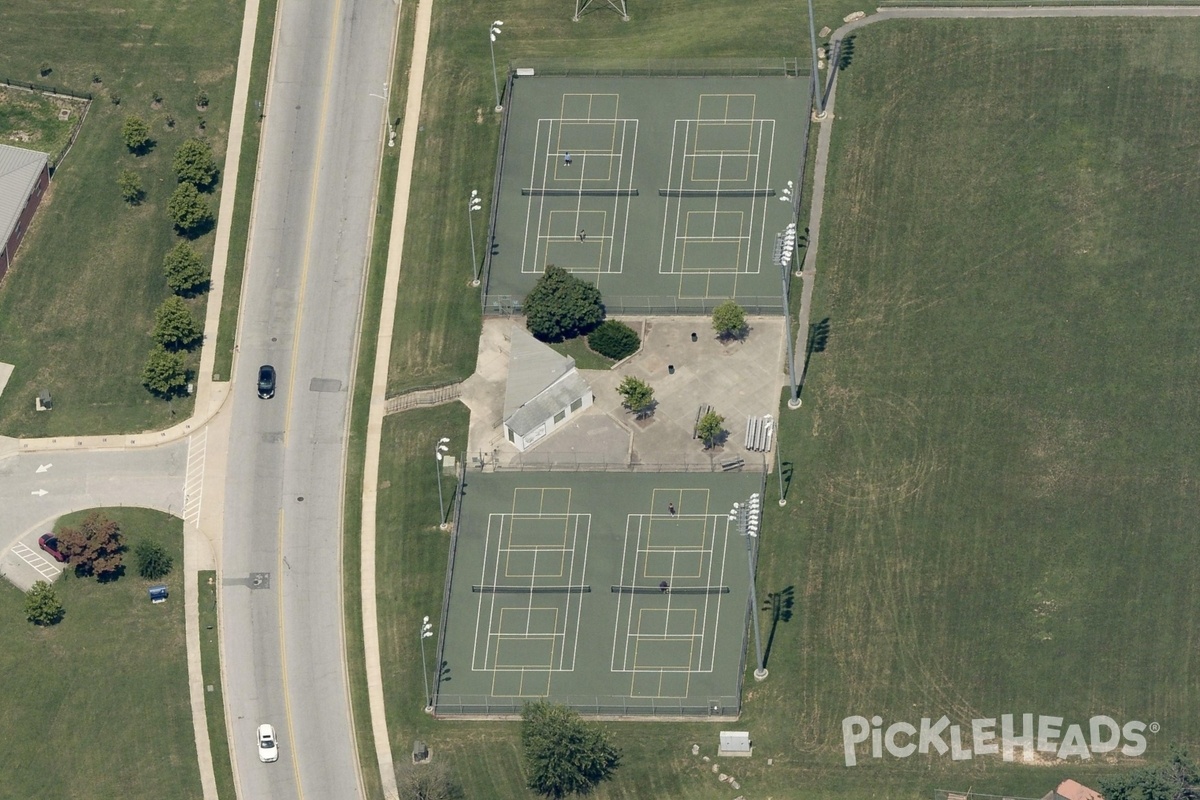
566 159
582 234
671 509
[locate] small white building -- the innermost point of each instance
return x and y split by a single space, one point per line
544 391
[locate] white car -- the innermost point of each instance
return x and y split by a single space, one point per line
268 745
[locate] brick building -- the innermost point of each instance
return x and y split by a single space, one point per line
24 176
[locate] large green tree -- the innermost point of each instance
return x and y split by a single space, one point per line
186 273
194 163
561 306
563 754
1177 779
710 427
174 326
93 548
136 134
130 184
189 211
637 396
165 373
42 606
729 320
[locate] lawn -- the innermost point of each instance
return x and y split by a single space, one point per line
76 309
993 471
214 702
97 706
31 120
585 357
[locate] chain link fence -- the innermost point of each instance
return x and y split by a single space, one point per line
456 705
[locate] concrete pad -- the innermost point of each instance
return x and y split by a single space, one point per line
739 378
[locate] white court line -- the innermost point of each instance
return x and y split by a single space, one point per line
42 565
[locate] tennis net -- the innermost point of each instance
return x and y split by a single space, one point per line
537 191
534 589
669 589
716 192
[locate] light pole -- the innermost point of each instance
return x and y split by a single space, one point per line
473 205
746 517
438 452
493 32
426 632
779 469
816 80
785 244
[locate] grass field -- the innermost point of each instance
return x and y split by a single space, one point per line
992 473
97 706
31 120
214 702
76 309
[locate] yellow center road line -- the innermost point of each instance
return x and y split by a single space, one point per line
305 262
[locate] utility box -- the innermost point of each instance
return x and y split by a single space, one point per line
735 744
158 593
43 402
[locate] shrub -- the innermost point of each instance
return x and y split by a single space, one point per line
614 339
42 606
153 562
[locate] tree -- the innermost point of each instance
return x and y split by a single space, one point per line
563 754
1171 781
94 548
194 163
42 606
136 134
130 184
153 561
637 396
165 373
561 306
729 320
614 339
174 326
186 273
189 211
426 782
710 427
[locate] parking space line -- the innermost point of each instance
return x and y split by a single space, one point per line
46 568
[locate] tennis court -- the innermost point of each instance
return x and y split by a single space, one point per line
617 594
663 191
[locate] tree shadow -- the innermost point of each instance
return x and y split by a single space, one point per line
779 605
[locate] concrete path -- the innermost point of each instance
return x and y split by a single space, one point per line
809 272
387 317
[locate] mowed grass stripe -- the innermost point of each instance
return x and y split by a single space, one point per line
994 451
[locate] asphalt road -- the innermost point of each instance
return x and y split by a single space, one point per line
281 614
73 481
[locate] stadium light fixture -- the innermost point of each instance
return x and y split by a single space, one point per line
746 518
493 32
426 632
438 453
474 203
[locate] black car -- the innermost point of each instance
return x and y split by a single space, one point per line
266 381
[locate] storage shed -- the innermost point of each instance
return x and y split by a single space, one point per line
544 391
24 176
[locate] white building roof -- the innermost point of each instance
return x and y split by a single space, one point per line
532 367
19 171
550 401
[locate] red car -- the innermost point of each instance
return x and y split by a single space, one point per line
49 543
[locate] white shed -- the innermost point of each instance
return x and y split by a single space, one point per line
544 391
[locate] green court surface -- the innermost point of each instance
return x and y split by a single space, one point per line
616 594
663 191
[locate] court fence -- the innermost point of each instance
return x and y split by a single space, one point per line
948 794
503 305
573 462
466 705
690 67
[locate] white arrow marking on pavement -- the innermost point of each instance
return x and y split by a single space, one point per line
44 467
40 492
